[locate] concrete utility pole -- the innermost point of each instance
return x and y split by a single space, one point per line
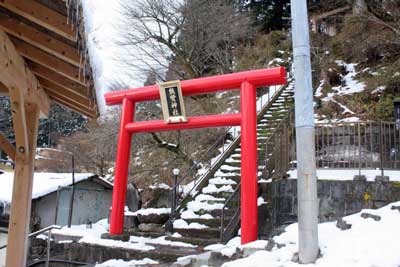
305 135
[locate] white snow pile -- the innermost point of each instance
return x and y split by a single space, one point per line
202 203
145 212
93 236
96 231
160 186
43 183
348 174
182 224
160 241
349 86
211 188
235 244
121 263
368 243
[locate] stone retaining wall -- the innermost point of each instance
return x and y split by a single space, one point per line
336 199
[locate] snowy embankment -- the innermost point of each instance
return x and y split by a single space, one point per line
367 243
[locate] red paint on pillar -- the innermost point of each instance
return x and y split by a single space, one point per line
249 188
121 169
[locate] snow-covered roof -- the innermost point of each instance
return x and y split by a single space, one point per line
44 183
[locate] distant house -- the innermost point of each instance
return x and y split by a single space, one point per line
327 22
51 199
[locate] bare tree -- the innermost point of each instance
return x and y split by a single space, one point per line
198 35
384 13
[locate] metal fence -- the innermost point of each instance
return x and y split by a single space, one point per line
347 145
358 145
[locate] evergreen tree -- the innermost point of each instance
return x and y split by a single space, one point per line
268 15
61 122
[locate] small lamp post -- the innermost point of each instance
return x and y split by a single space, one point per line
175 172
396 106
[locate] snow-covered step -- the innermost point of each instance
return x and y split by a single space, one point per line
215 222
195 241
222 181
211 188
229 168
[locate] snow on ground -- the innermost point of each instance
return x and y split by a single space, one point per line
160 186
160 241
348 174
211 188
43 183
368 243
81 230
149 211
121 263
93 236
182 224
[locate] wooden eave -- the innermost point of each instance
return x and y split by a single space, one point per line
53 50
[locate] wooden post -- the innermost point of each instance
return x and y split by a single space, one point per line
22 192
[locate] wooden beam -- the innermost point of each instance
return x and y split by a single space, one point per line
58 79
331 13
45 59
18 228
42 16
19 122
66 103
16 76
3 89
39 39
7 147
68 93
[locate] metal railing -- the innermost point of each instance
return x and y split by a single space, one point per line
192 173
35 234
225 233
277 148
344 145
358 145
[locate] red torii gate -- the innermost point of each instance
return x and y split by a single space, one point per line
247 81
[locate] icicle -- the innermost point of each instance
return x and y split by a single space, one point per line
80 67
67 3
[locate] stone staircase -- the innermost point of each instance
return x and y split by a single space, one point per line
199 220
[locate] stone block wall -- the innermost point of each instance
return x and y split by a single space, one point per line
336 199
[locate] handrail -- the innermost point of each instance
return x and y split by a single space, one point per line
44 230
227 202
197 182
78 263
34 234
277 131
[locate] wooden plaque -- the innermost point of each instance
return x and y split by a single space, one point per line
172 102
